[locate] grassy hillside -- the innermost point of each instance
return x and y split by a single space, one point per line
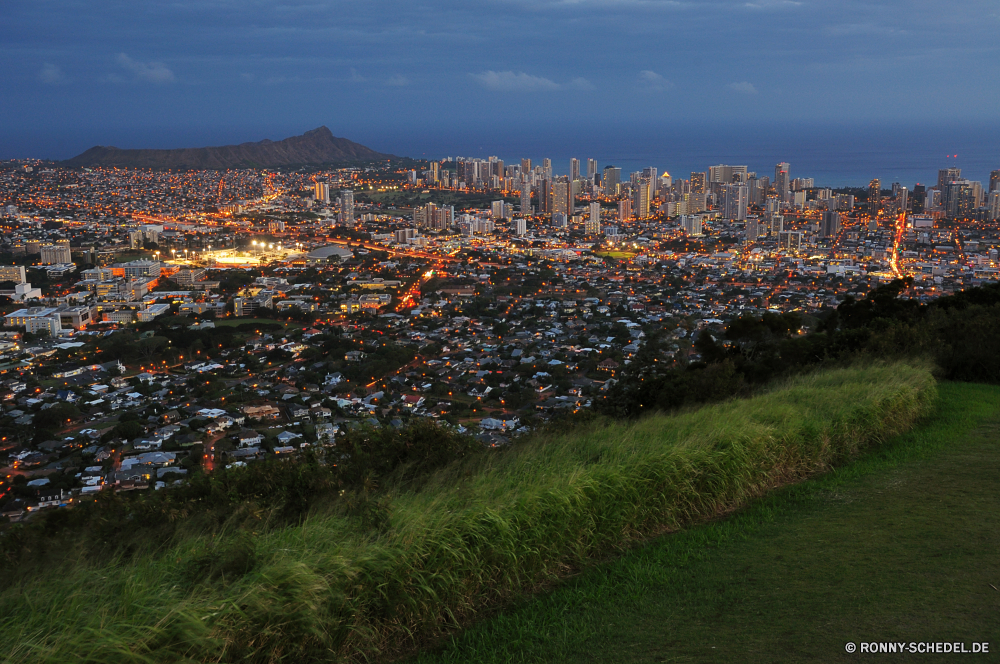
898 547
407 564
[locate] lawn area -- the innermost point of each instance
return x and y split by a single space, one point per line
899 546
627 255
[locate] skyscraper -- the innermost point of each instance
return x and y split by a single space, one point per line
497 210
347 206
593 226
591 169
697 183
946 175
874 198
994 205
520 226
962 198
782 183
624 209
547 169
525 198
725 174
917 199
322 192
734 201
562 196
994 180
574 169
611 179
830 226
545 196
640 199
772 206
692 224
525 167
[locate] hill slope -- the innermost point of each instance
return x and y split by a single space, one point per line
898 547
318 146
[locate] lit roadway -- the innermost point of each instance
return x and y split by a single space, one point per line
897 240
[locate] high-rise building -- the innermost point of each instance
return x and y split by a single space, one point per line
497 210
135 239
874 198
322 191
725 174
772 206
525 167
347 207
545 196
782 181
435 172
777 225
830 225
666 182
691 223
547 169
902 198
962 198
520 226
13 273
697 183
611 179
917 199
624 209
734 201
54 254
946 175
574 169
994 180
593 225
525 198
640 199
650 174
753 228
994 205
755 193
444 217
562 196
591 169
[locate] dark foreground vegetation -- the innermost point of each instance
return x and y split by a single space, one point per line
960 334
896 547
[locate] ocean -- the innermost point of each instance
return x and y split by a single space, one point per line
834 155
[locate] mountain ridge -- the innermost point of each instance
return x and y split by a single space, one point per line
314 147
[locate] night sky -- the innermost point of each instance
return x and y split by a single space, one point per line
171 74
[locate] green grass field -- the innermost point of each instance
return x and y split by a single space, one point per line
626 255
475 536
901 545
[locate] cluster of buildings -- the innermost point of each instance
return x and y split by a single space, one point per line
290 318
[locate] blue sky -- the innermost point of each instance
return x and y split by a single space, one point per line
167 74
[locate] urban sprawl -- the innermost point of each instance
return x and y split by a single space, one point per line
157 323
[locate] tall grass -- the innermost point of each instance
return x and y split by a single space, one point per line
477 533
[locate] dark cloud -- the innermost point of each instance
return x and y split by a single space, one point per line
266 66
